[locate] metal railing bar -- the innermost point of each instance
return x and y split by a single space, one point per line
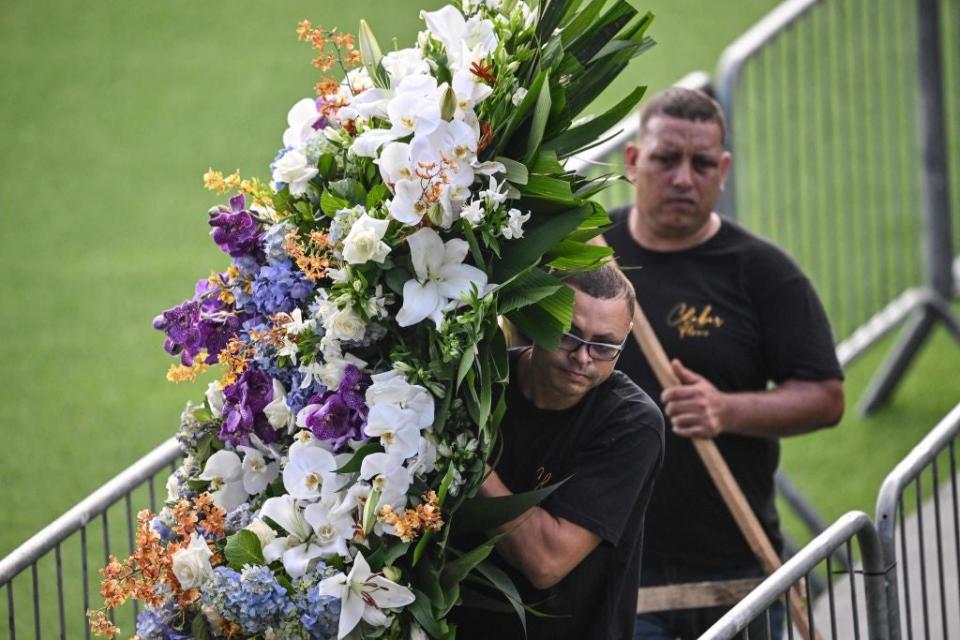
939 540
789 623
11 617
905 564
881 323
922 560
60 607
809 599
153 494
853 591
853 523
106 553
128 505
81 513
86 579
956 515
830 598
35 581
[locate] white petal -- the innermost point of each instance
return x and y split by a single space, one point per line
454 251
297 560
231 496
351 610
456 279
223 465
427 252
390 594
419 302
367 143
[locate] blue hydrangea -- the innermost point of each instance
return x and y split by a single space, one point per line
238 518
273 241
261 601
279 287
297 397
319 614
156 623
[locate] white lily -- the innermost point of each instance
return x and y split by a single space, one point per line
440 277
257 472
295 550
224 472
363 595
278 411
306 471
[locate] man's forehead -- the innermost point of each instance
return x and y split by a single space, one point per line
667 131
600 316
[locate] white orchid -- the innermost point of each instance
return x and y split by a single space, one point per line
397 429
294 169
514 227
215 399
394 163
296 550
365 241
307 468
332 524
363 595
257 472
278 411
224 472
387 474
403 63
441 277
391 387
465 41
301 120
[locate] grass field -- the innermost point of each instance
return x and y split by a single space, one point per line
111 112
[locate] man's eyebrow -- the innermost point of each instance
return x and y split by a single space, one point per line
606 337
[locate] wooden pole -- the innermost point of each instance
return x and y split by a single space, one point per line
718 470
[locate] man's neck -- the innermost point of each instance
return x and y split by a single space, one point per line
533 390
644 236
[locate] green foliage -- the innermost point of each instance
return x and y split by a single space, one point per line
243 548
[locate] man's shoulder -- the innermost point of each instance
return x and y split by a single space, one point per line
757 252
622 401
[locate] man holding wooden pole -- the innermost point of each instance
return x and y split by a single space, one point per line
751 352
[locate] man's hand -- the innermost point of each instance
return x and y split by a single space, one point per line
696 409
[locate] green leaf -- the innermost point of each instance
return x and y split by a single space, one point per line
471 237
602 31
552 12
478 515
330 204
422 612
541 115
550 188
377 194
505 585
570 255
577 137
546 321
326 165
387 554
354 463
350 190
576 26
370 511
475 600
370 53
540 235
199 627
528 288
243 548
395 279
546 162
486 391
520 113
516 171
466 363
455 571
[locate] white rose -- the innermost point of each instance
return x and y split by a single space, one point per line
192 565
365 241
264 532
345 325
173 488
293 169
215 399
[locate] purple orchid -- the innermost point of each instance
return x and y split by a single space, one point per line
201 323
243 406
339 416
235 231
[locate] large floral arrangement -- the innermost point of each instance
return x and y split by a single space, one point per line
417 199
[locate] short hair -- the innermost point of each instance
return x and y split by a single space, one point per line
605 283
685 104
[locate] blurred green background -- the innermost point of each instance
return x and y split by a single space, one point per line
112 111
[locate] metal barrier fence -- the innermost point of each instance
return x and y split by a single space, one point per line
866 589
907 584
926 545
838 115
64 557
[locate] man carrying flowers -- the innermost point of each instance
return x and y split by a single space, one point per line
572 419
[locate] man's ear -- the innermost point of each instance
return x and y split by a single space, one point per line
630 155
725 161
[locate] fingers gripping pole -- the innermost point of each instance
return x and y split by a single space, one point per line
718 470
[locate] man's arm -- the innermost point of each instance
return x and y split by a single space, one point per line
544 548
697 409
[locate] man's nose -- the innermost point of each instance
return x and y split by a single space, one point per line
683 175
581 354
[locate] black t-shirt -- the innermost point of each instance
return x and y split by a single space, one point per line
610 446
737 310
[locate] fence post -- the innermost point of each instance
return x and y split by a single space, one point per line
936 212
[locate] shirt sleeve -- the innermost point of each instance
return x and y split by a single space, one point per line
795 334
611 475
